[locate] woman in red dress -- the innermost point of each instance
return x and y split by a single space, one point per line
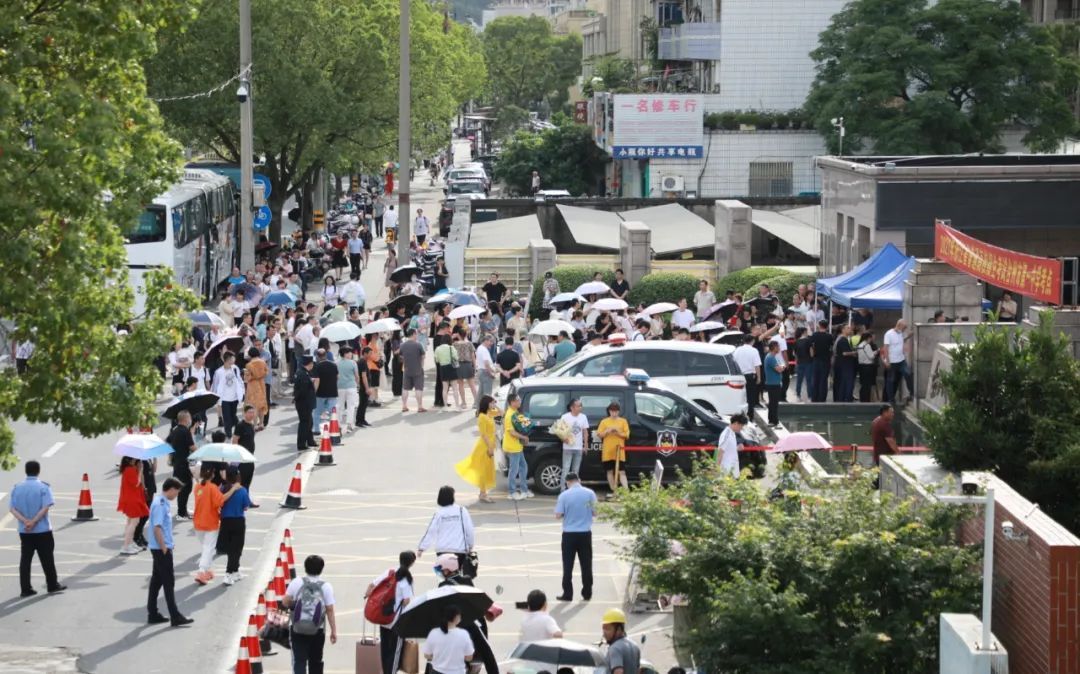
132 501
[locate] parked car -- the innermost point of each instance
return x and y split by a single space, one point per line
544 195
459 173
658 418
704 373
730 337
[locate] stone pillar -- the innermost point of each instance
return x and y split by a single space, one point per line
457 241
734 225
635 241
1065 321
542 257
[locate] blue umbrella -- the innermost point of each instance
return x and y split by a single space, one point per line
463 297
251 292
142 446
206 318
279 298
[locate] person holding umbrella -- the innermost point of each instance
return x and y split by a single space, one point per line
228 385
132 502
207 520
233 523
183 445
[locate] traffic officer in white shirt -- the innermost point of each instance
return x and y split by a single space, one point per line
748 360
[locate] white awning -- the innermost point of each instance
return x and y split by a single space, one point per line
803 236
591 227
505 233
675 229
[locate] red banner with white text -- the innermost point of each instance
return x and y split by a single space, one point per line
1035 277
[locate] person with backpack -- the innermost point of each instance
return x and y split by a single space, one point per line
311 604
385 598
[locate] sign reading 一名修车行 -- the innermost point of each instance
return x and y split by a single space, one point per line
1035 277
665 126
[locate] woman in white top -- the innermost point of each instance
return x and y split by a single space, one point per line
450 530
390 645
449 647
329 293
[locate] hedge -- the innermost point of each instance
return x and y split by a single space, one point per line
743 278
783 286
665 286
569 279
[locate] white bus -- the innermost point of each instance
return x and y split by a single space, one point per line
192 229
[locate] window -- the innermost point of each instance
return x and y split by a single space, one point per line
668 13
545 404
594 405
150 226
708 364
601 366
662 363
666 411
771 179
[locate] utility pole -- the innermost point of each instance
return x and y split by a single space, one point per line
243 94
404 139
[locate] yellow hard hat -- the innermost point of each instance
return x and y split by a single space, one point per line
614 615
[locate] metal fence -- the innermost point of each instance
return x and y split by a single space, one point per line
513 266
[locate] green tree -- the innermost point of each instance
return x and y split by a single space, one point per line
1012 410
909 78
843 580
614 74
527 62
83 151
330 99
509 119
566 157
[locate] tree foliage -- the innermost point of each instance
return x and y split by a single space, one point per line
615 74
566 157
83 151
843 580
527 63
328 99
909 78
1012 410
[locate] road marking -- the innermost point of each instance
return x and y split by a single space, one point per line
53 450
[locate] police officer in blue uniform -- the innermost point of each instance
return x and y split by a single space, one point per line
30 503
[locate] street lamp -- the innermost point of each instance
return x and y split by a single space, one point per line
987 501
838 124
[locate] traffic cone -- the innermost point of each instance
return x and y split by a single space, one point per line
254 651
85 511
335 428
286 570
326 452
260 613
243 664
292 560
279 579
292 498
271 597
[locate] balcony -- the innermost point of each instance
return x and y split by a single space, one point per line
690 42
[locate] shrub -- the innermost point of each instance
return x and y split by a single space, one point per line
665 286
713 120
783 285
569 278
737 280
782 120
729 121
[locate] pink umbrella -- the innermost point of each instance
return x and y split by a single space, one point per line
801 442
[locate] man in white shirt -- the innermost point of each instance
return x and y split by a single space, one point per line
390 218
727 449
683 317
228 386
573 448
420 226
814 315
538 625
641 331
748 361
704 299
307 649
895 362
485 368
353 292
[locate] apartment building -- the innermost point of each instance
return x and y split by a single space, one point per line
1050 11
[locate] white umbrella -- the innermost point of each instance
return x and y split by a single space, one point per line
659 308
466 311
381 325
551 328
566 297
207 318
341 331
142 446
609 304
593 288
707 325
224 452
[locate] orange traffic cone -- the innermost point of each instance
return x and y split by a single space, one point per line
279 579
243 664
335 428
254 651
292 498
271 596
286 570
260 612
85 511
292 560
326 452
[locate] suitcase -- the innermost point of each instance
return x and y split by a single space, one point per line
410 657
368 655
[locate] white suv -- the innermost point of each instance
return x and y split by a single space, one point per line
704 373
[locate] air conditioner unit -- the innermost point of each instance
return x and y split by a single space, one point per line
672 183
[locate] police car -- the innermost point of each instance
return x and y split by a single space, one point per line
660 420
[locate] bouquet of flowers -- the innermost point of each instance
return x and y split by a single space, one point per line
523 424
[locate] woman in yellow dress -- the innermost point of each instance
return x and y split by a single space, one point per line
478 469
614 431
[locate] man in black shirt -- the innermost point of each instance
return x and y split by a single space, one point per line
304 399
326 393
244 435
509 362
183 445
494 290
821 344
844 369
620 288
804 366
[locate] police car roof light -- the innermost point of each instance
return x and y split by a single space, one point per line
636 375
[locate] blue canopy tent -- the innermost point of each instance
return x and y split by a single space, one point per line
886 293
873 269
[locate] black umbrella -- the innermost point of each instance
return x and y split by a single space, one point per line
404 273
294 214
410 302
233 342
265 246
559 653
426 612
194 402
724 311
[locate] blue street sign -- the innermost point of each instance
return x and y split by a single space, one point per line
260 179
262 218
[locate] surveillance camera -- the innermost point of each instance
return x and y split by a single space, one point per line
1008 529
242 92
